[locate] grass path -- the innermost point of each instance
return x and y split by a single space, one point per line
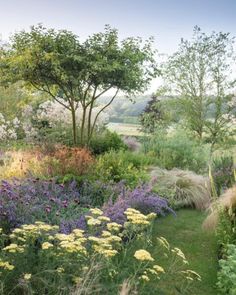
199 247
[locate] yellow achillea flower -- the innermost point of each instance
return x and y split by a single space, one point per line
46 245
17 230
93 221
76 280
145 278
135 217
13 248
109 253
78 232
60 269
158 268
151 216
6 265
106 234
113 239
0 230
113 226
27 276
164 242
96 211
104 218
179 253
64 237
143 255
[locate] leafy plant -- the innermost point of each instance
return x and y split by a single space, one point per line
226 276
177 150
118 167
102 142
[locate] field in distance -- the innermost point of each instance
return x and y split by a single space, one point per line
125 129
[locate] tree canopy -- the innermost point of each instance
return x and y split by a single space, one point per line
200 73
77 73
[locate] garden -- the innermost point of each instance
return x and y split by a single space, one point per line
84 210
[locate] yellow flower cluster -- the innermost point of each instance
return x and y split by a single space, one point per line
13 248
96 218
137 218
158 268
191 275
73 242
46 245
164 243
27 276
6 265
114 227
105 245
180 254
143 255
155 270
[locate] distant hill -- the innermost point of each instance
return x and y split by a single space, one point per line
126 110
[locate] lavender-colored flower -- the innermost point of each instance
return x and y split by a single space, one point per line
141 198
24 201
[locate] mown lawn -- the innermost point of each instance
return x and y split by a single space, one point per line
185 232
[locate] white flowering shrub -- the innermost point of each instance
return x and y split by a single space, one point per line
8 129
55 113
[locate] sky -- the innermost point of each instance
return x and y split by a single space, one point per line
166 20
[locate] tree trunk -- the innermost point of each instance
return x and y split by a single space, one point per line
89 121
83 125
74 126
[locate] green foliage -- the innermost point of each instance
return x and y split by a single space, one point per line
227 274
113 166
13 99
105 141
153 117
199 73
177 150
223 172
75 73
225 230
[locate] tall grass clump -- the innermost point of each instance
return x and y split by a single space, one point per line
225 205
182 188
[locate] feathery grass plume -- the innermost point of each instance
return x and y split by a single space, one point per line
225 202
89 284
126 288
212 182
17 163
183 188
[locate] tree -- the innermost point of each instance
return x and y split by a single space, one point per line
199 72
75 73
155 115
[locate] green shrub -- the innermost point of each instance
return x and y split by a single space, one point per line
227 274
113 166
177 150
105 141
223 172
